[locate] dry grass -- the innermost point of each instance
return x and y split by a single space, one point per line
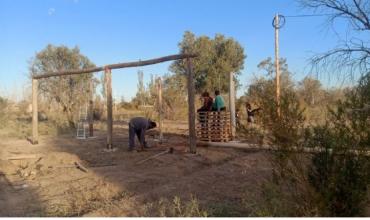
175 208
80 200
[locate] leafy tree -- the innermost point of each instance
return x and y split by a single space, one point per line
140 87
310 90
217 58
340 176
67 91
262 90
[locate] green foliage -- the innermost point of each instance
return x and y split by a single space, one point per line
68 92
218 57
340 174
333 182
311 91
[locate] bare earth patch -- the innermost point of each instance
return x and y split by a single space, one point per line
115 185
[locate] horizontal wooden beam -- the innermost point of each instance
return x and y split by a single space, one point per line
117 66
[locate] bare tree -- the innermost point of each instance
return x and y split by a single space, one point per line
352 55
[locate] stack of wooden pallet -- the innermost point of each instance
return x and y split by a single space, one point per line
213 126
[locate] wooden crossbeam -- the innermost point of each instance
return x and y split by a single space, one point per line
117 66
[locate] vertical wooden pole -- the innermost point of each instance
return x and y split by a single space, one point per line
191 107
277 64
160 108
35 132
108 86
91 109
232 104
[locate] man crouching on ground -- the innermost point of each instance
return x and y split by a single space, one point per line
139 126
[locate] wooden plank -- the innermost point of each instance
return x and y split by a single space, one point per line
117 66
160 108
91 109
191 107
25 156
232 104
108 86
35 120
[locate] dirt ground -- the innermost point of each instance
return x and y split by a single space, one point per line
48 184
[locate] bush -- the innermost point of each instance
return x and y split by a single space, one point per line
3 112
333 182
340 174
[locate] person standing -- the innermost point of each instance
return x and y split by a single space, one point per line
207 103
251 112
138 126
219 103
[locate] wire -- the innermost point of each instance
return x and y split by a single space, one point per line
311 15
281 23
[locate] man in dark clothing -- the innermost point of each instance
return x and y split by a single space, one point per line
139 126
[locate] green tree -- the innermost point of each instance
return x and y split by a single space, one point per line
68 91
340 176
140 88
217 58
262 90
311 90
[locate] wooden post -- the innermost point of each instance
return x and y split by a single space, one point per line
35 120
160 108
232 104
277 64
108 86
191 107
91 109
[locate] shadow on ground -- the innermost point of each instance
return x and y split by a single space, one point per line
218 181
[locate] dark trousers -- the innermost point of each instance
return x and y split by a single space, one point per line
132 131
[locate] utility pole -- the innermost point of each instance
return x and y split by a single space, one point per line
277 24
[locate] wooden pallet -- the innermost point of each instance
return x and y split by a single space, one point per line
213 126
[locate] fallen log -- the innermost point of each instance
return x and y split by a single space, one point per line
74 165
103 165
27 156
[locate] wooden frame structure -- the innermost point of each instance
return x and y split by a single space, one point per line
108 85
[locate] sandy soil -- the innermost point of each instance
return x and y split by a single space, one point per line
116 185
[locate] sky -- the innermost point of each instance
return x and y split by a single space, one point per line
112 31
